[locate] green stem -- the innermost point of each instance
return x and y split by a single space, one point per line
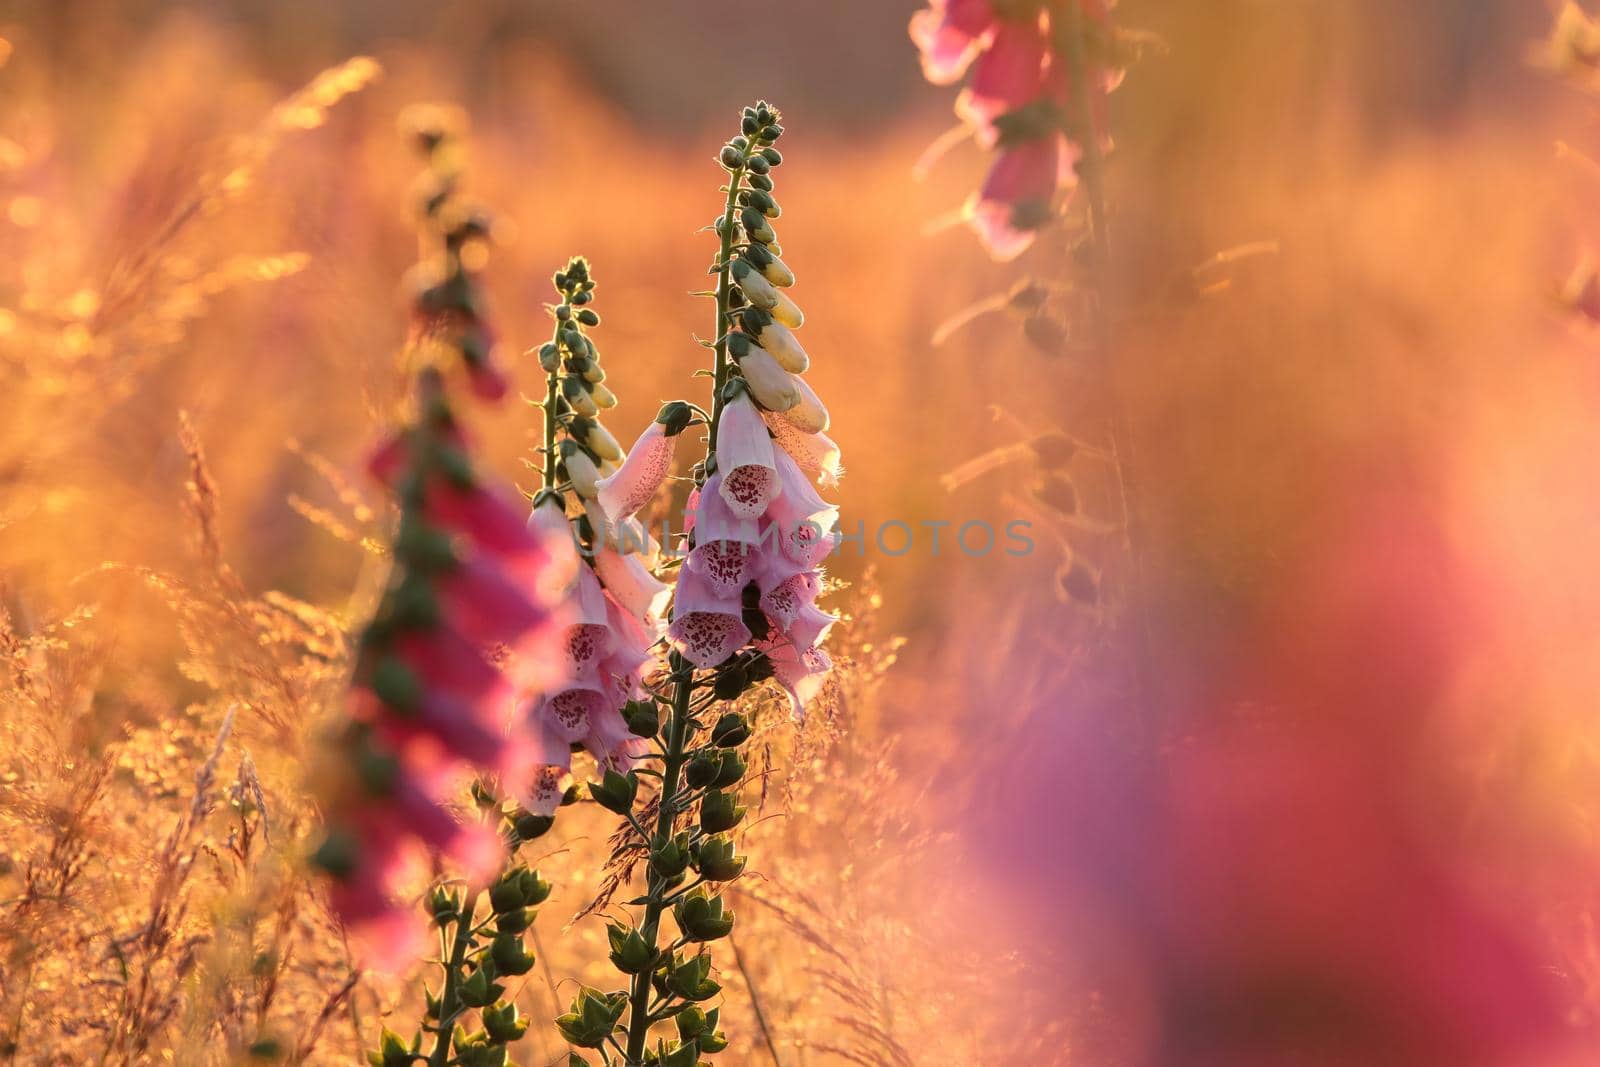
552 396
724 288
678 725
1070 40
450 995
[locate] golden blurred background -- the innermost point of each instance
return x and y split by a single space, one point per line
1388 357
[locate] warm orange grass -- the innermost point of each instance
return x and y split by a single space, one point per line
162 568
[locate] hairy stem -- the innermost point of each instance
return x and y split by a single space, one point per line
450 995
1071 28
724 288
678 726
552 422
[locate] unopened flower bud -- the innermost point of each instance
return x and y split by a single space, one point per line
578 397
730 769
669 857
756 225
502 1023
759 165
757 289
603 397
674 417
773 268
630 954
764 202
530 827
718 861
589 317
581 470
731 731
702 917
549 357
510 955
720 812
616 792
777 339
772 386
643 717
787 311
731 157
702 770
478 992
599 441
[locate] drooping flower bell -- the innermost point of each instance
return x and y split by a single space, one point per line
1020 101
429 700
758 530
617 604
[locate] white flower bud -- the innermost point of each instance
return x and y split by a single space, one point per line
581 470
787 311
602 444
777 339
777 273
772 386
603 397
757 289
808 415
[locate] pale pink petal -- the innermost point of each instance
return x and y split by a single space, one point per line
725 543
706 629
809 415
588 637
641 475
815 454
802 672
569 711
785 597
486 606
745 459
810 626
613 746
1008 75
545 788
548 522
949 36
639 592
803 522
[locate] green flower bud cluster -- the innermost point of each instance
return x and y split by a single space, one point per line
683 869
485 952
691 847
578 450
759 314
448 301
